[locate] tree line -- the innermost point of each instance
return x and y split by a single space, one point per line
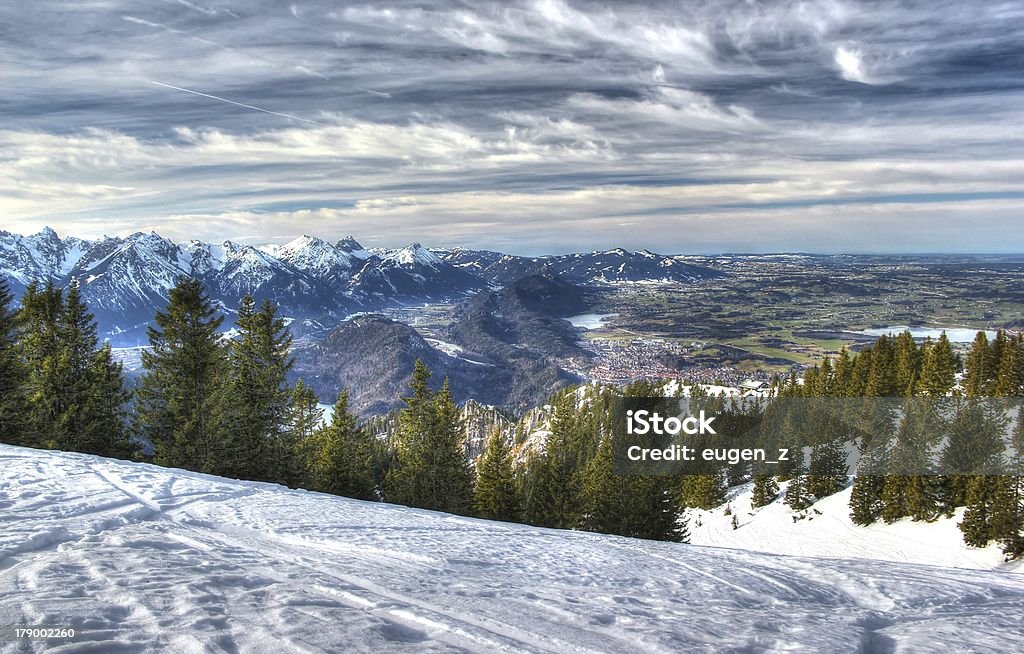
938 403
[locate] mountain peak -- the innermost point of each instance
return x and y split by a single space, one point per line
353 247
315 254
304 243
415 254
47 233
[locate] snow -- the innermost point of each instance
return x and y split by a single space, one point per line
590 320
454 351
140 558
314 254
414 255
825 529
451 349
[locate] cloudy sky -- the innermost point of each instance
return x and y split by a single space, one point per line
531 127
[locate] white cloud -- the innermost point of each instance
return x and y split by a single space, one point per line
851 65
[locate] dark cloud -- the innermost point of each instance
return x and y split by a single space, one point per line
531 126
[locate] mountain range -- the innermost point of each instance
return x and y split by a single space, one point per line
316 283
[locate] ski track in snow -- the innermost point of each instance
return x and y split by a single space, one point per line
139 558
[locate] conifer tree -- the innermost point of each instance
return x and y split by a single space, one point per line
342 455
76 400
76 350
104 421
256 443
181 390
882 380
974 446
638 506
907 363
938 374
40 348
797 497
978 370
1007 514
13 377
304 420
869 483
842 386
827 470
909 489
766 490
1010 370
554 495
702 491
430 469
496 496
976 525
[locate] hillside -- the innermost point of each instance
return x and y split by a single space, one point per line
137 558
373 357
826 528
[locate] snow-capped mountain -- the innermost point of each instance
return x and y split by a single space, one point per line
39 256
126 279
608 267
411 273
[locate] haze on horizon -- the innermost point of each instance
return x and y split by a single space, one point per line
531 127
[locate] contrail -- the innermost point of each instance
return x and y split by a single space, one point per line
237 104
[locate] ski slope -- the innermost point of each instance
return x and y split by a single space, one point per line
140 558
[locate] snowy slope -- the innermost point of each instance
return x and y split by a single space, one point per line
825 529
157 558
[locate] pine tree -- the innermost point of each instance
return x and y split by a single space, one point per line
343 455
938 373
496 496
1006 515
40 349
1010 371
554 496
974 446
13 377
907 363
76 330
181 390
976 525
842 386
1007 511
882 380
765 491
303 421
978 373
909 490
256 442
638 506
76 400
827 471
866 498
105 428
797 497
703 491
430 469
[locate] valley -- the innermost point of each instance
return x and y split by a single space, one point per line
509 330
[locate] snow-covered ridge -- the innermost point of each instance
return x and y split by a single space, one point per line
144 558
125 279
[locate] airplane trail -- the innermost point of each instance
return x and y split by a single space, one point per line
238 104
